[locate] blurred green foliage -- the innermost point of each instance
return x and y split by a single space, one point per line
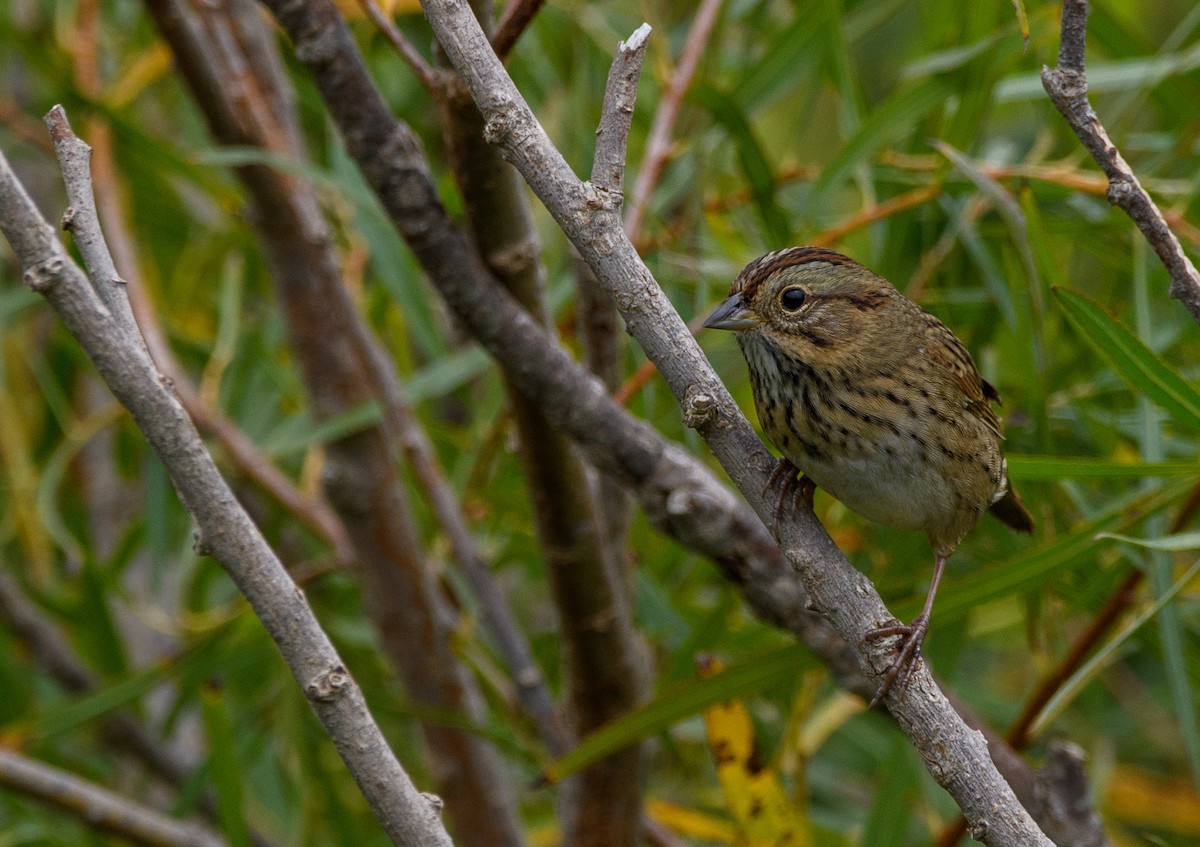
809 121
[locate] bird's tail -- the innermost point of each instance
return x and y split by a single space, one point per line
1011 511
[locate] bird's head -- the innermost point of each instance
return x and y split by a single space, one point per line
814 304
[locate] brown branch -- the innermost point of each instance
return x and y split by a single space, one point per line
223 528
246 100
955 756
604 658
403 46
98 808
1066 86
658 144
407 432
514 20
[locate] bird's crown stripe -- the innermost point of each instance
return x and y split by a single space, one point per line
762 267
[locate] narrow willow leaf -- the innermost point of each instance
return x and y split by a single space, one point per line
755 166
1108 652
681 701
224 769
1171 543
1053 468
1036 566
1136 363
887 124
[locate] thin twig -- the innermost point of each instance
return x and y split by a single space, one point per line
955 756
599 323
514 20
99 808
312 509
404 47
82 221
1067 87
658 144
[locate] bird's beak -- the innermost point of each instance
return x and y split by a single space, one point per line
732 314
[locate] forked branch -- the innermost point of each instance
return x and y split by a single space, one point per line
223 529
955 755
1067 86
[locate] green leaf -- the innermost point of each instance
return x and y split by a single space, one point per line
1136 363
1036 566
100 703
224 769
1108 652
1171 543
755 166
299 434
896 799
682 701
1054 468
887 124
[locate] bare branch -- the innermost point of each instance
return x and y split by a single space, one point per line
1067 87
241 451
98 808
599 324
955 755
81 220
403 46
616 115
223 529
604 657
516 16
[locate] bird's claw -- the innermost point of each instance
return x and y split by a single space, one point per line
801 488
900 671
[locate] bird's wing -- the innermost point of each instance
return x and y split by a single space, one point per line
949 353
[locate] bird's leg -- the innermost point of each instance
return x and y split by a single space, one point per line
785 478
912 636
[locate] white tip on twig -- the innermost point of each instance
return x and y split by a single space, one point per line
635 41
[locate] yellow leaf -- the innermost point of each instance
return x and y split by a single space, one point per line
764 816
352 9
1136 797
148 66
691 822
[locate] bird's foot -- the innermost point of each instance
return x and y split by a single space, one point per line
900 671
787 478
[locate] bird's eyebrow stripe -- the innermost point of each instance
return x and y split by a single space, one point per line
864 301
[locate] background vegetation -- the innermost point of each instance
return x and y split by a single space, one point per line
914 137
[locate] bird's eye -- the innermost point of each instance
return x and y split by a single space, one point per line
792 299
